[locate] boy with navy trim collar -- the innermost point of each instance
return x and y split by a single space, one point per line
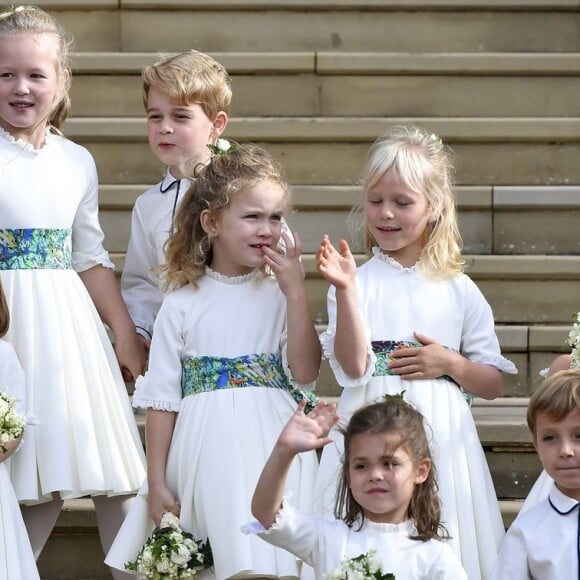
187 99
544 542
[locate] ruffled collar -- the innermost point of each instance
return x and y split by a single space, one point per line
22 144
232 280
378 253
407 527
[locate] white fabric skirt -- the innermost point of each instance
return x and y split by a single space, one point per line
540 491
16 557
470 510
86 440
220 444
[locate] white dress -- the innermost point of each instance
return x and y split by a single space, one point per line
86 441
151 221
542 544
222 438
394 303
323 544
16 557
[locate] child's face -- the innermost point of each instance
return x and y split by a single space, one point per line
251 221
382 478
558 445
396 217
29 84
179 134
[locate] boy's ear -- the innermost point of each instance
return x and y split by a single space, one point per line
209 223
219 124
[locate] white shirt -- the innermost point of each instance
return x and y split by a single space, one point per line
542 544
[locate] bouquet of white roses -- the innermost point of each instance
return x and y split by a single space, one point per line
363 567
574 341
11 423
171 554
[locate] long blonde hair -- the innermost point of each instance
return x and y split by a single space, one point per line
189 247
35 21
424 165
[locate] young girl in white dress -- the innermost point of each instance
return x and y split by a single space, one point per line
16 557
228 346
410 320
387 493
59 283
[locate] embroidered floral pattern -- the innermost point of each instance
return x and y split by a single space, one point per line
35 249
206 373
384 349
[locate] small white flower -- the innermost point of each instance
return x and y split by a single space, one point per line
169 520
223 145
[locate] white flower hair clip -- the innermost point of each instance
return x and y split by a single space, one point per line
221 147
573 341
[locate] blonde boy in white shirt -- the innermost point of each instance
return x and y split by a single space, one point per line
543 542
187 99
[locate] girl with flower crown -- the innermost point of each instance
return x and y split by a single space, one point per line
60 285
16 557
409 320
230 343
387 494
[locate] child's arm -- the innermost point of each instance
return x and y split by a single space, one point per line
350 344
560 363
158 433
104 291
301 433
304 352
11 447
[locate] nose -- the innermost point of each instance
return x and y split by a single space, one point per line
388 212
566 448
21 87
264 229
376 473
165 129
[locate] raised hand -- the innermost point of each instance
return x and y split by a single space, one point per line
307 432
287 267
337 266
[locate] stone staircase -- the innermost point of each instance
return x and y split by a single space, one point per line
315 82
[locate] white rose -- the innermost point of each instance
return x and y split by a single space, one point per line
163 566
181 556
223 145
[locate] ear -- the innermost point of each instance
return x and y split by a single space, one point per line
209 223
219 124
423 470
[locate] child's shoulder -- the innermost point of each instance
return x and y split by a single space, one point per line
70 147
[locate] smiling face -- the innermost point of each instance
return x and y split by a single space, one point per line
179 134
30 85
382 477
558 445
396 218
251 221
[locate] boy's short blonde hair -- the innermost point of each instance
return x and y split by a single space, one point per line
557 397
190 78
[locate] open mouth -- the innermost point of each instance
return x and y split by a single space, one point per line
20 105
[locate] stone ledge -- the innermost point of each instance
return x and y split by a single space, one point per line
346 129
537 197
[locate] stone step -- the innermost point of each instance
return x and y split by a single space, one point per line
322 151
331 84
236 25
498 220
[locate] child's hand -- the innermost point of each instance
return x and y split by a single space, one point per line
287 267
131 351
161 500
307 432
337 266
423 362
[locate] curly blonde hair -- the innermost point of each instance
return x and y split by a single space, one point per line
189 78
35 21
423 163
189 247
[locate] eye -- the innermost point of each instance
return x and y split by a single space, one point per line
6 75
276 218
358 466
375 201
251 216
153 116
548 438
390 464
404 202
182 117
37 76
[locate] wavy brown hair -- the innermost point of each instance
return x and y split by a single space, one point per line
4 313
35 21
189 247
403 423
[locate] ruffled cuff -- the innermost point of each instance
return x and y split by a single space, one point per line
285 513
301 386
344 380
500 363
143 398
82 262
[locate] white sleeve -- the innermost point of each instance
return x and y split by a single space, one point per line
327 342
512 560
447 566
140 290
479 342
87 236
160 388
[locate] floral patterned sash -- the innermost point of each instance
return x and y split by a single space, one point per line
35 249
206 373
